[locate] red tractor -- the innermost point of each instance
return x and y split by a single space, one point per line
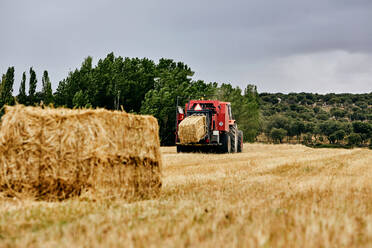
221 135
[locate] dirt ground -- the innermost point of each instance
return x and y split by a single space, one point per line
267 196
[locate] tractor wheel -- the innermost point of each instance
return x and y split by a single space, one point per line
179 148
226 143
240 141
234 138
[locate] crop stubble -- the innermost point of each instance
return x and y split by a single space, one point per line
267 196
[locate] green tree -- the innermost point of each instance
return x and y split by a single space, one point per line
308 138
248 119
332 138
297 128
79 79
339 135
114 82
322 115
328 128
245 108
137 78
22 97
47 93
317 132
278 134
60 96
3 81
338 113
81 100
364 129
6 88
354 139
32 88
278 121
103 79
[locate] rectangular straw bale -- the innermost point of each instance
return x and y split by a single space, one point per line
54 154
192 129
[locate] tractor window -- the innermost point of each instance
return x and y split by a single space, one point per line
180 110
229 109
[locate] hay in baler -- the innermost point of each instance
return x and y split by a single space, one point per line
192 129
54 154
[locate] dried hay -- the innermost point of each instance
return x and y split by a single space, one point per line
192 129
54 154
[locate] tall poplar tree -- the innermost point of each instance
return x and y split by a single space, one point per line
3 79
32 87
6 93
22 97
47 94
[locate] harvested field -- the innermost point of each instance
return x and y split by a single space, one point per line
267 196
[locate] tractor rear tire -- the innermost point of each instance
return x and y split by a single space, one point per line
179 148
226 143
234 138
240 141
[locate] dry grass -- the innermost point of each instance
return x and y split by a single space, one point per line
267 196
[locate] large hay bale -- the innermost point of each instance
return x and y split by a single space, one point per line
53 154
192 129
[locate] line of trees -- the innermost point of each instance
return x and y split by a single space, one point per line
32 98
139 86
145 87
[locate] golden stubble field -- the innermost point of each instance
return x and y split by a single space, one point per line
267 196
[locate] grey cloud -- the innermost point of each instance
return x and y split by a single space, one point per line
219 39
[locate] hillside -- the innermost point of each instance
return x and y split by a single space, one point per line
315 118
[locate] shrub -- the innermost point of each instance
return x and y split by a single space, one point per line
277 134
354 139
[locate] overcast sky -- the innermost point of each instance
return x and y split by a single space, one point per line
280 45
